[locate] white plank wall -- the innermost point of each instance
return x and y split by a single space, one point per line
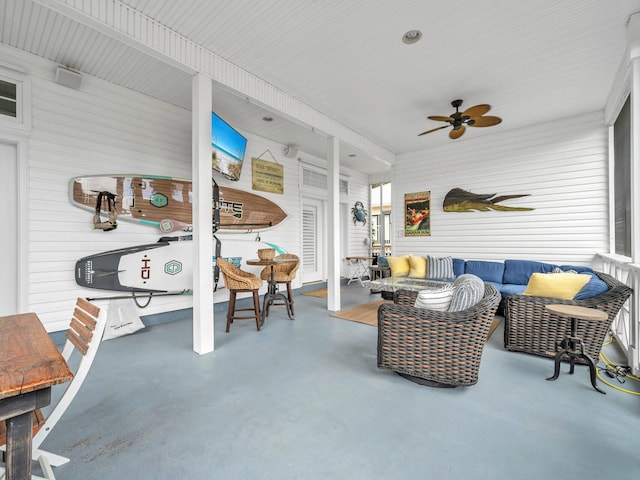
98 129
562 165
357 233
105 129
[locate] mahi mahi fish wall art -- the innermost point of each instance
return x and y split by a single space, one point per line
459 200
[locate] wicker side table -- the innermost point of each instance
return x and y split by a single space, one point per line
573 346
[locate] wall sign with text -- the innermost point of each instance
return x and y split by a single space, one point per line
267 176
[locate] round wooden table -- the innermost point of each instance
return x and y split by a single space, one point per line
573 346
272 287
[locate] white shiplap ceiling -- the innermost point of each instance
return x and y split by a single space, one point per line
533 61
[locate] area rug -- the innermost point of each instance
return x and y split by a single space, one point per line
322 293
367 313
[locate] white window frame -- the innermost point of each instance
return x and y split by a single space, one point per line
22 121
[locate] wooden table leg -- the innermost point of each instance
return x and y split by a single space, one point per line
19 446
17 413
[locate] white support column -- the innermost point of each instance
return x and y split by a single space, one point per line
201 95
635 159
333 224
633 37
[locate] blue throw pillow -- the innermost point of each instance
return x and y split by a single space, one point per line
518 271
382 261
467 291
593 288
487 271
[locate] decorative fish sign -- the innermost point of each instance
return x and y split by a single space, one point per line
459 200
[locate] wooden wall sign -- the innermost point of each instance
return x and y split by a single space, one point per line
459 200
267 176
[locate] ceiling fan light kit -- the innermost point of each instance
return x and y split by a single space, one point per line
472 117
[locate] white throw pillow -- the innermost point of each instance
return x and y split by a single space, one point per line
435 299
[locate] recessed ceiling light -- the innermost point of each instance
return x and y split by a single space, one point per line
412 36
351 155
267 119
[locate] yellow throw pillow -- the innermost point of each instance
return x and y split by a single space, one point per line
417 267
399 266
563 286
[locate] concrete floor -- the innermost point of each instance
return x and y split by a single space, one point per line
304 399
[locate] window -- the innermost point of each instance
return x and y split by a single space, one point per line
15 99
622 180
381 218
8 98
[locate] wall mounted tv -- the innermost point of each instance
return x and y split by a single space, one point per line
228 148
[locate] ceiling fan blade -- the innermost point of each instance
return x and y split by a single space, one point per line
440 119
433 130
486 121
453 134
476 111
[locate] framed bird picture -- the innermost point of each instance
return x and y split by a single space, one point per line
417 219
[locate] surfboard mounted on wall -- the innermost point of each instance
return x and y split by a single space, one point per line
165 202
162 267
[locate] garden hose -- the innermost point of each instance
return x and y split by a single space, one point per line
615 370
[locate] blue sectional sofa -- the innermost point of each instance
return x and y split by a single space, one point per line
512 276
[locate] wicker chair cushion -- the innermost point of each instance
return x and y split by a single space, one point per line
467 291
439 268
435 299
563 286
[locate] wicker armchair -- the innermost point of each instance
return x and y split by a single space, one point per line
531 328
432 347
237 280
283 273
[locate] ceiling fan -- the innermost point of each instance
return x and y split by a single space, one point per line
472 116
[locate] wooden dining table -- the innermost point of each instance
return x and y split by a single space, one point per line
30 364
272 287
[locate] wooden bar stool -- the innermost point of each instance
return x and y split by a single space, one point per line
237 280
573 346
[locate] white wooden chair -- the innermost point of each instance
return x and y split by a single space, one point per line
84 335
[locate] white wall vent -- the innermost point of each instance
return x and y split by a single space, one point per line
315 179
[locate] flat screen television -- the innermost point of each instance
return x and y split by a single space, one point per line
228 148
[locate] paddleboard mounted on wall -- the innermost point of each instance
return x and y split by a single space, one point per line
165 267
166 202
